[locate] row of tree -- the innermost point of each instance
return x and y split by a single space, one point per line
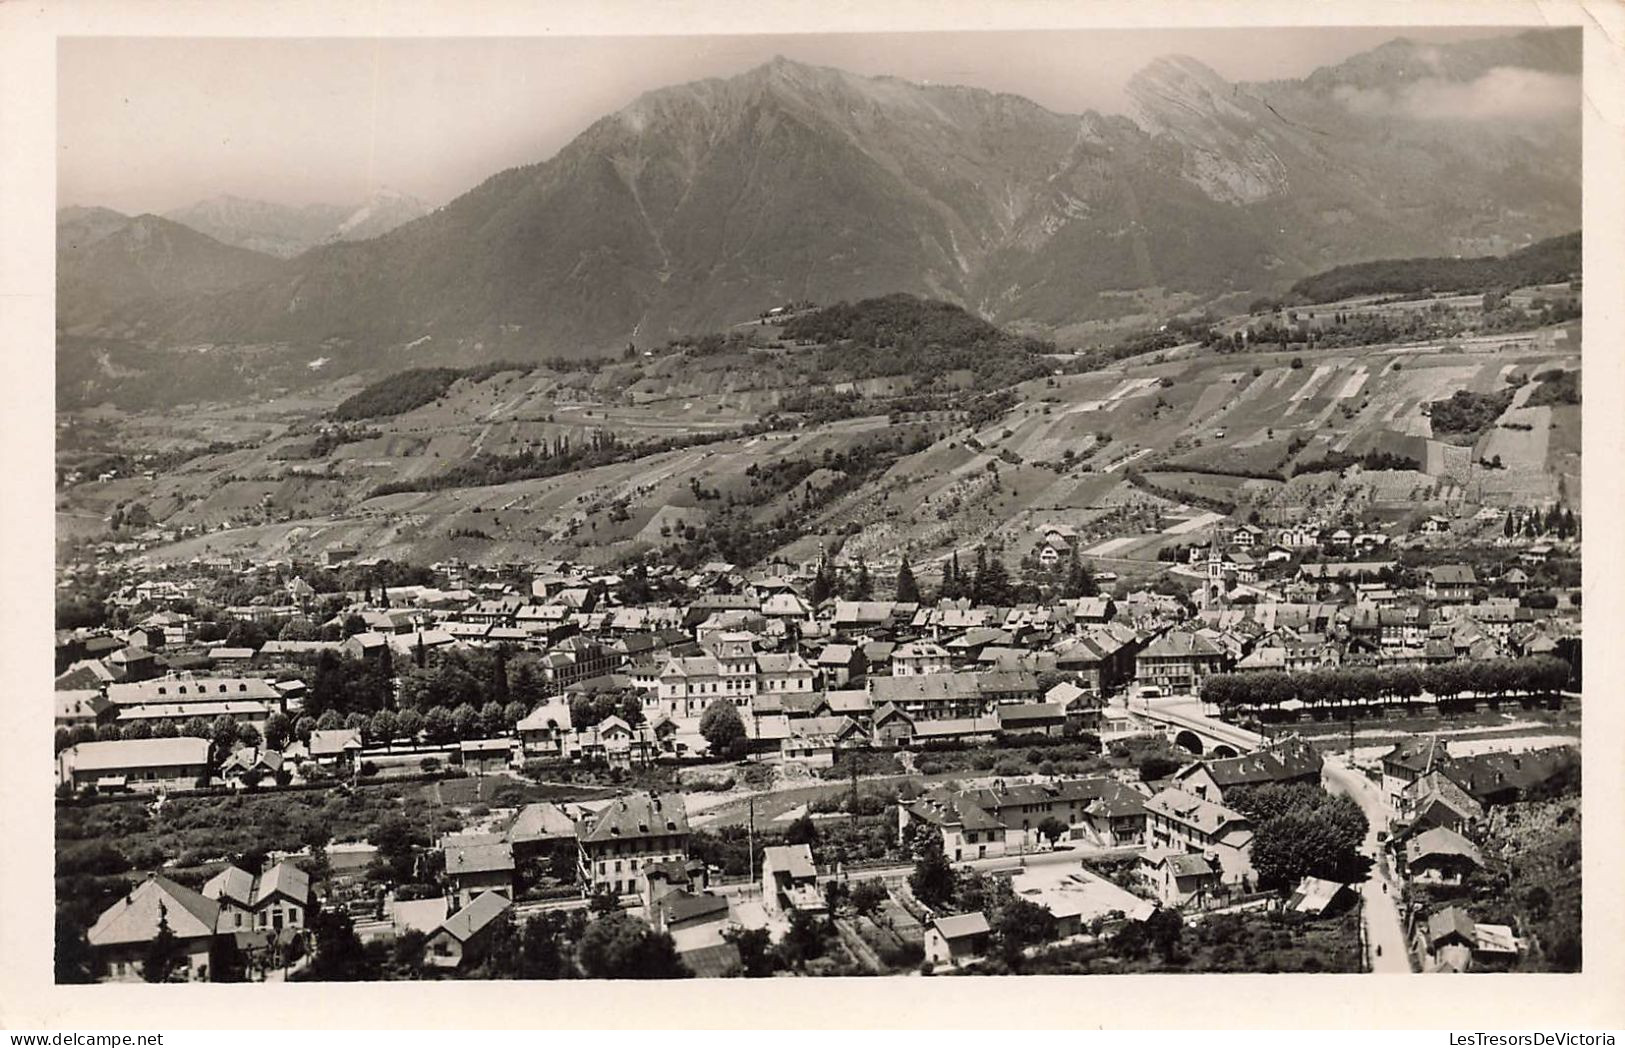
1495 678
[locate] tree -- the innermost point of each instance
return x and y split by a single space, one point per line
466 721
339 955
755 946
1018 924
408 723
823 586
303 727
138 730
164 954
491 719
933 877
1052 828
721 726
804 940
801 831
617 946
383 727
908 589
75 963
512 714
867 896
277 730
330 721
197 728
1163 929
224 732
438 725
863 588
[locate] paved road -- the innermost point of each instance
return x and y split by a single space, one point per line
1383 928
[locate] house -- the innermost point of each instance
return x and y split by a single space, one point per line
1178 662
957 940
1316 896
1451 583
543 732
485 756
1284 761
461 938
273 900
920 657
839 664
1437 800
77 706
121 935
335 747
541 829
148 765
248 766
892 726
1441 856
1179 879
1183 822
1446 939
790 880
476 864
931 696
1037 718
616 846
813 741
1408 761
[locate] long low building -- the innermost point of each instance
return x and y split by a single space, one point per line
136 764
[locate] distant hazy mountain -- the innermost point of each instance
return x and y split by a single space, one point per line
112 269
702 204
283 231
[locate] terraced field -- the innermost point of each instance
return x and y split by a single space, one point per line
1192 423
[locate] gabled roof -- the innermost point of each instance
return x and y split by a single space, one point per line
1290 758
476 916
1180 644
335 741
636 815
478 858
961 925
285 879
135 917
541 821
1452 920
1442 841
233 884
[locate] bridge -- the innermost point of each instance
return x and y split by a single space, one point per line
1193 731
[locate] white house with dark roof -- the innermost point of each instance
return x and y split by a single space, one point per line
616 846
460 939
1183 822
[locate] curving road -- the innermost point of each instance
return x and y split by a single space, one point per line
1383 928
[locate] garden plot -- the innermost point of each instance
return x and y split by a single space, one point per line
1196 523
1519 448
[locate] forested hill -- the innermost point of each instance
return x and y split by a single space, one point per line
1552 261
924 338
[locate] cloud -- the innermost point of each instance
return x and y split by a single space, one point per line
1505 93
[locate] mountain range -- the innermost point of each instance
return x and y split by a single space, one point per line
701 205
284 231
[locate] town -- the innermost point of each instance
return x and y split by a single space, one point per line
358 769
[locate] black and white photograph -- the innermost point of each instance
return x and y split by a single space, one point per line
719 505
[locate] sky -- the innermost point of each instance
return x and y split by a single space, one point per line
152 124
